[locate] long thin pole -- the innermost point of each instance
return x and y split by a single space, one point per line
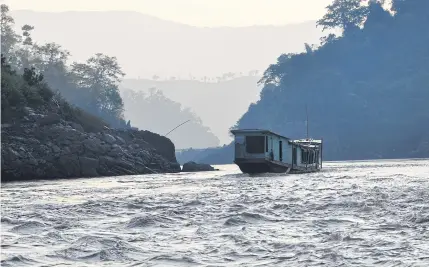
306 113
177 127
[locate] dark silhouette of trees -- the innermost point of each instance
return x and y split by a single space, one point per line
92 86
344 14
367 91
156 112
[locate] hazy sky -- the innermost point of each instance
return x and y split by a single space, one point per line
195 12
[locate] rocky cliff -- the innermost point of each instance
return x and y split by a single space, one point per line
44 137
46 146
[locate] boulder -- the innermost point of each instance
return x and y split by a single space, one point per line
109 138
69 165
49 119
174 167
77 126
120 140
93 145
88 166
195 167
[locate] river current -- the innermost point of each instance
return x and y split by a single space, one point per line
370 213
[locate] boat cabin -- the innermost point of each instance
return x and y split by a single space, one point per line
260 151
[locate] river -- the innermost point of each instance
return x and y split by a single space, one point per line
368 213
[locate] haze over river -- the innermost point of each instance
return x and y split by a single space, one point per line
371 213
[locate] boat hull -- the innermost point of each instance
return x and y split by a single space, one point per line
257 166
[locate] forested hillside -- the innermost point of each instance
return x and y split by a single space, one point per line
91 85
233 91
367 91
158 113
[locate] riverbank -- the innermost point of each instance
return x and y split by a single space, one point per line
50 147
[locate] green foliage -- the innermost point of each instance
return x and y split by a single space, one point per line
8 36
29 90
10 93
367 92
344 14
31 77
91 86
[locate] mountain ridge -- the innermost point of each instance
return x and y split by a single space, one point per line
155 46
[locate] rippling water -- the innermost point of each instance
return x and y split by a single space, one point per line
352 213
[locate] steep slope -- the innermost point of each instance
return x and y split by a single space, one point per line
43 137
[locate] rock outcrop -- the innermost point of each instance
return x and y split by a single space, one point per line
45 147
195 167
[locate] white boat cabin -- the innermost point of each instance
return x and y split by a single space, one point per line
258 151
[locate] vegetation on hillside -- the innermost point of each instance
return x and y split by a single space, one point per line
20 92
202 98
367 91
91 86
166 114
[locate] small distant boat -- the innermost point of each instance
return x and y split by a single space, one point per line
263 151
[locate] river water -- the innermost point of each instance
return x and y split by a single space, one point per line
373 213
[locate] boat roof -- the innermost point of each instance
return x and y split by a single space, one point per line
307 142
257 130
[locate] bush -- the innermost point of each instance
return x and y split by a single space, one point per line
30 90
46 93
89 122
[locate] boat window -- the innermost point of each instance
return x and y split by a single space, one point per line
266 144
304 156
255 144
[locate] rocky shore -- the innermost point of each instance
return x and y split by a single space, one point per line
48 147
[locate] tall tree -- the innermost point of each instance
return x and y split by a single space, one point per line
377 15
51 55
344 14
98 71
100 76
25 53
9 38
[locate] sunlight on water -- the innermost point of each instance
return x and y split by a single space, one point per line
351 214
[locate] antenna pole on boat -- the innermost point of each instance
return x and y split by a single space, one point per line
306 122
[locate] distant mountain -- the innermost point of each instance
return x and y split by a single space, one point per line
146 45
157 113
219 105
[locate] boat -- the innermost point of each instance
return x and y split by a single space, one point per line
263 151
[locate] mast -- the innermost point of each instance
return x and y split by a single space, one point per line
306 114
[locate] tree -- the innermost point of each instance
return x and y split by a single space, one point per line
410 6
32 77
8 36
377 15
344 14
98 71
51 55
328 39
25 52
99 76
